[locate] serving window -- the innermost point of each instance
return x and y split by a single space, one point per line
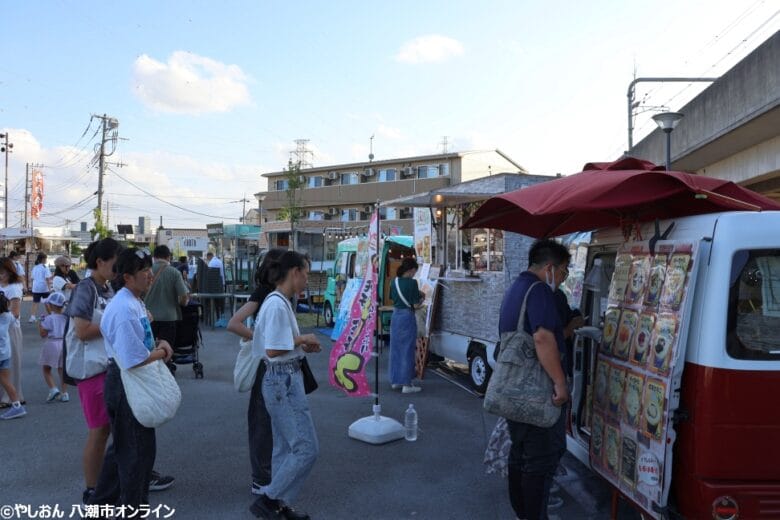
753 325
487 250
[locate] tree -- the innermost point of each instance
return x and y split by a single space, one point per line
292 209
100 230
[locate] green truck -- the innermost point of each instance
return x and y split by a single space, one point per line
394 249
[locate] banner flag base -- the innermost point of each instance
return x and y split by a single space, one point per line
376 429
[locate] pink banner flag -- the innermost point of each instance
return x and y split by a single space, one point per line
352 351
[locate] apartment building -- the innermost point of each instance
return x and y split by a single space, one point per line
341 197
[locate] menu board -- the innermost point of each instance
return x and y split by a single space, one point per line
642 350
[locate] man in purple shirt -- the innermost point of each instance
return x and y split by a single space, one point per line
536 451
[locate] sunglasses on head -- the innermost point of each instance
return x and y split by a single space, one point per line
142 253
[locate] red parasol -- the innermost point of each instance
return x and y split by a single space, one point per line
612 194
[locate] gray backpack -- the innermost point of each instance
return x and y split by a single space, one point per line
519 388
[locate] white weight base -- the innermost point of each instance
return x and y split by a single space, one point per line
376 429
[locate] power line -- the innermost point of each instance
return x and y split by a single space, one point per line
168 202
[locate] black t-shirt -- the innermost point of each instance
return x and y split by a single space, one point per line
259 296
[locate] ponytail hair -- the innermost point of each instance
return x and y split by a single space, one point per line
4 304
279 268
40 258
104 249
407 264
261 276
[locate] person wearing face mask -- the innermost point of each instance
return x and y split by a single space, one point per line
536 451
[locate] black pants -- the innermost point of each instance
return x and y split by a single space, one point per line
261 441
165 330
533 460
127 466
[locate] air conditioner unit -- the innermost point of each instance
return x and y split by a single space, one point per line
333 211
333 176
369 172
408 171
368 209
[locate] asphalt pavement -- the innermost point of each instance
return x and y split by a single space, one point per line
440 476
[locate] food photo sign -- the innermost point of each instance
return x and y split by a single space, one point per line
639 362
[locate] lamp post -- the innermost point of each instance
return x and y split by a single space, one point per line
667 121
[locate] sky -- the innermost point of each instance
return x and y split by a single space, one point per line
210 95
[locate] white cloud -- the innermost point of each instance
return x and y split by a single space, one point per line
431 48
388 132
189 84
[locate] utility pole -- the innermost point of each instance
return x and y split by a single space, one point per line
109 124
302 153
5 148
444 144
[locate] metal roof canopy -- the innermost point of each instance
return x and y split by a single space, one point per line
470 191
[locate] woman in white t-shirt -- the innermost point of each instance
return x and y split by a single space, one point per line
127 466
41 276
282 347
10 285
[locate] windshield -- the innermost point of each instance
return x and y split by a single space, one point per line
753 327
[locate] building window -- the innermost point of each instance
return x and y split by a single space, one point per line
487 250
387 175
350 178
427 172
315 181
282 240
404 213
388 213
316 215
444 169
349 215
282 185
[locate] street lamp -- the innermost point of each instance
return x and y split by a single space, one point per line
667 121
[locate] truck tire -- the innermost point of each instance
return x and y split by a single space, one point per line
479 369
327 314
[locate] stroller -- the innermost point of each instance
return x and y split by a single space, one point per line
188 339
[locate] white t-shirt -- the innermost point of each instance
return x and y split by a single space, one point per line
40 275
275 329
126 330
58 284
19 269
216 262
6 319
11 291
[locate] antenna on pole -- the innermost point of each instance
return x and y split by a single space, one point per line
371 148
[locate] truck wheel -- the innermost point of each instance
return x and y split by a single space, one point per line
479 370
327 313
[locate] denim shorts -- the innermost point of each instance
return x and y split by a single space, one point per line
5 364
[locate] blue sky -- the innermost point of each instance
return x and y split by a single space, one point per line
211 94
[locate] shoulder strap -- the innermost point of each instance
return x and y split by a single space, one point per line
286 301
156 275
400 294
521 316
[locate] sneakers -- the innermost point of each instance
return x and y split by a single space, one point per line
396 387
14 412
267 508
409 389
288 513
160 482
32 319
53 394
64 397
86 495
257 488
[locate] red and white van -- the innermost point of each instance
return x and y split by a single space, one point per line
714 452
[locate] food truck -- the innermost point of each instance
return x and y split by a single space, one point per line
345 272
474 269
674 386
674 394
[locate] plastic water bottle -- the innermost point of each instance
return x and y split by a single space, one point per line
410 423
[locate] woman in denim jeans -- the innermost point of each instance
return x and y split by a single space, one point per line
282 347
